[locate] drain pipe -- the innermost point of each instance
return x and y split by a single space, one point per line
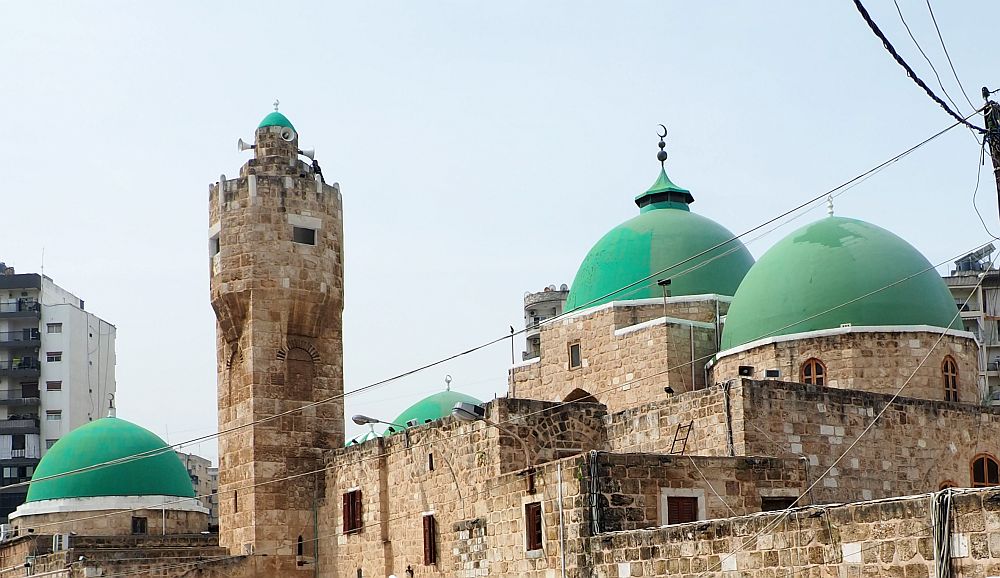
562 523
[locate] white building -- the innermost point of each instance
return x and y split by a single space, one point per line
57 368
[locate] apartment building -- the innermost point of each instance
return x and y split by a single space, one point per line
57 370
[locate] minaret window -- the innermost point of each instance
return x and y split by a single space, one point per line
813 372
575 359
949 375
985 471
304 236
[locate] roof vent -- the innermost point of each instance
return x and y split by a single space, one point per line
844 325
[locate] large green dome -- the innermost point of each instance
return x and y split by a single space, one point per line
819 277
663 234
431 408
160 473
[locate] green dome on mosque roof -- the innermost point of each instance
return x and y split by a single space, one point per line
827 274
431 408
158 473
276 119
650 247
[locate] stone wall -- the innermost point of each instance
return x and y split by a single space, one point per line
652 427
453 470
859 359
629 486
629 353
113 522
888 538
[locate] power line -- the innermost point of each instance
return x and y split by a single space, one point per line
948 56
169 448
924 54
530 414
909 71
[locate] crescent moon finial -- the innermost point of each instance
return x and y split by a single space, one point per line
662 155
664 135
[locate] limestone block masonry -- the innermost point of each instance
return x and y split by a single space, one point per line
276 265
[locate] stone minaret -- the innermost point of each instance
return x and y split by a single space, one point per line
277 284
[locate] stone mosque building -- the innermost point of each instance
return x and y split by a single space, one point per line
686 412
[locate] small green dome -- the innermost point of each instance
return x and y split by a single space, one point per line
276 119
664 233
431 408
161 473
824 266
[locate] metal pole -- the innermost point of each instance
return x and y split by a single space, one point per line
991 114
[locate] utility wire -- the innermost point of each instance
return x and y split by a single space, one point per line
948 56
520 418
909 71
924 54
170 448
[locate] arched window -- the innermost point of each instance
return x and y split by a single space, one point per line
947 484
985 471
949 376
813 372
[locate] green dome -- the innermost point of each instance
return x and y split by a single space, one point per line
431 408
827 264
161 473
663 234
276 119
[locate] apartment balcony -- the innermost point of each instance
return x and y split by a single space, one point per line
20 368
19 397
20 308
19 426
25 338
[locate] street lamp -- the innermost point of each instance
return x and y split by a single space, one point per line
361 419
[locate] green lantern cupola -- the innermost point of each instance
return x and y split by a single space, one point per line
664 193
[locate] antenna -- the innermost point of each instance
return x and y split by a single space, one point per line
43 260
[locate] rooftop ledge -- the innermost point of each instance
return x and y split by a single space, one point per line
840 331
639 302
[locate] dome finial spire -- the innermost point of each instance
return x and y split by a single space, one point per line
276 103
111 405
829 205
447 383
662 155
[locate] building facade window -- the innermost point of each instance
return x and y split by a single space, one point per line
813 372
575 358
533 526
50 443
53 356
681 505
352 511
949 376
776 503
139 525
53 386
985 471
53 327
430 540
53 415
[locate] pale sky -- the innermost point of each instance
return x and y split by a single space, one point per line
482 148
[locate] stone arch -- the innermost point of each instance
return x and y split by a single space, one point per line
302 344
300 370
581 395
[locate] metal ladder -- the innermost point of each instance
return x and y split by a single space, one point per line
681 439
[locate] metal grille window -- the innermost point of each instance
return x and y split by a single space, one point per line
949 375
533 526
813 372
352 512
985 471
430 540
